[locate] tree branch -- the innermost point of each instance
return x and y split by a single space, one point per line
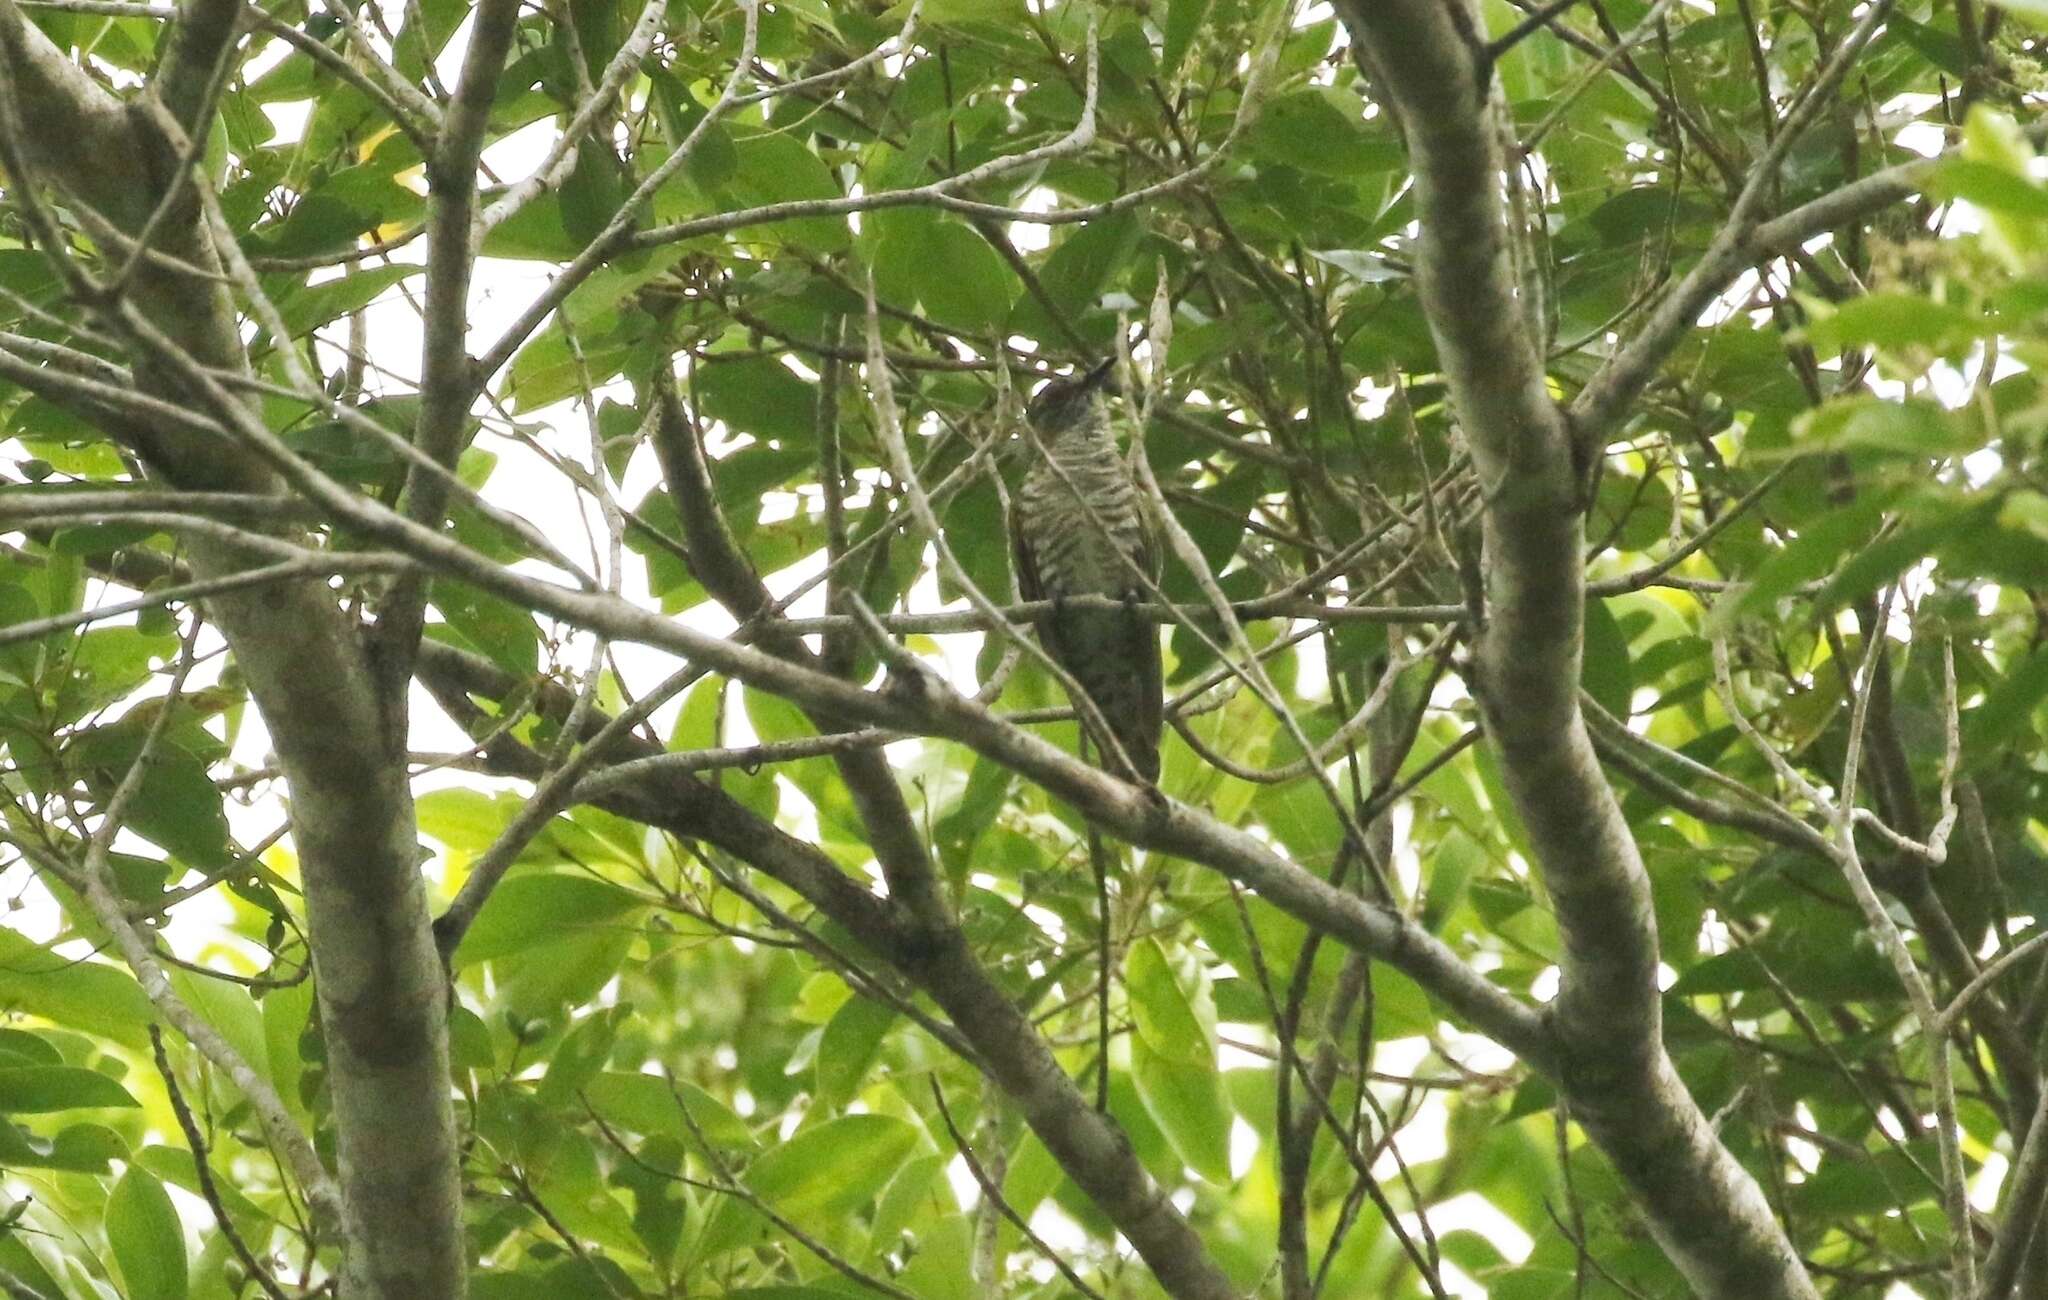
379 985
448 381
1092 1150
1743 239
1703 1207
197 43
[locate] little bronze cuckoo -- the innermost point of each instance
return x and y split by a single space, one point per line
1077 530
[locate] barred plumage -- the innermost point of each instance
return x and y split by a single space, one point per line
1078 529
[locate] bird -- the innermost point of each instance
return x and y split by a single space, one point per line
1076 529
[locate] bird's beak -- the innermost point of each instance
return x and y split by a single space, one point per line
1097 377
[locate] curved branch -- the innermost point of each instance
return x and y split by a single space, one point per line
380 992
1146 820
1087 1145
447 380
1744 239
1705 1210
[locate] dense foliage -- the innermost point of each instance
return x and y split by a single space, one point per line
675 1073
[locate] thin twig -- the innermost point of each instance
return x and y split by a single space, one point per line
204 1171
994 1195
730 1184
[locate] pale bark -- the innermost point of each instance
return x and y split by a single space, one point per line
1705 1210
381 1000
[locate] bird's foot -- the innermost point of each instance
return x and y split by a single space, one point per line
1156 802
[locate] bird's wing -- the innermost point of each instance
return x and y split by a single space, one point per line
1150 668
1149 557
1144 636
1026 563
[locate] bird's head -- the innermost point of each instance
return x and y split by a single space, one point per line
1063 405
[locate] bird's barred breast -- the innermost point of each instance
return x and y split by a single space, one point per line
1083 549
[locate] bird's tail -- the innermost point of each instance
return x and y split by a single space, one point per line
1140 744
1119 696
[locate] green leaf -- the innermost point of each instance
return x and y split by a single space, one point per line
18 1259
33 1089
778 168
20 1047
147 1239
87 1147
346 204
1995 139
758 395
1186 1099
1871 1182
570 1280
2010 550
1894 321
465 820
1458 860
595 189
469 1041
611 287
644 1103
1891 554
1362 265
1604 670
960 280
1820 546
2031 8
96 998
943 1263
174 1166
286 1014
1991 187
918 1191
1322 130
490 624
546 370
835 1167
537 232
19 1150
1915 427
1183 20
848 1048
311 306
2008 711
527 912
954 12
1167 1016
580 1056
1080 267
428 27
227 1007
1944 49
177 805
819 1175
1400 1009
